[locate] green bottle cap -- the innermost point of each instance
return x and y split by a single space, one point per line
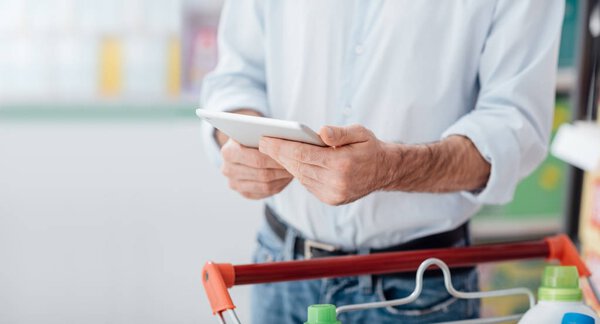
322 314
560 284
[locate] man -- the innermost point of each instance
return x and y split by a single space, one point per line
449 105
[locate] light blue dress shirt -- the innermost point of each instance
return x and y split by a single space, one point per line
412 71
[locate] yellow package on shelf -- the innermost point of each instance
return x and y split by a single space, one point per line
174 67
590 212
111 67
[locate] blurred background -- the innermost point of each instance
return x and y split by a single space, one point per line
108 206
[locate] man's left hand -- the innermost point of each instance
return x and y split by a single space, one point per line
352 167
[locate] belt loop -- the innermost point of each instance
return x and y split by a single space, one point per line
289 244
365 282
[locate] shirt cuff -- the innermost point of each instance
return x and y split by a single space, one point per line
500 148
224 102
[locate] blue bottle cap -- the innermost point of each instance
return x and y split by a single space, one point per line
577 318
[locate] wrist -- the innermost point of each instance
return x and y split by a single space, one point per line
453 164
392 158
410 166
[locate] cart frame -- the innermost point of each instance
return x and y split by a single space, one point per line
217 278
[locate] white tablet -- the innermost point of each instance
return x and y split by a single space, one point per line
247 130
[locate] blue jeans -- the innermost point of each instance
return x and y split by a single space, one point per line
287 302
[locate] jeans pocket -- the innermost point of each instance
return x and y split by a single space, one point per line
434 301
269 247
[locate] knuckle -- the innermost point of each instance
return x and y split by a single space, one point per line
226 170
248 195
362 130
334 200
366 132
339 199
328 201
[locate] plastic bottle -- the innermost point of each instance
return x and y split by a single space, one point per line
322 314
558 295
576 318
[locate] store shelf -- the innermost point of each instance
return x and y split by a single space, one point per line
501 229
99 110
565 80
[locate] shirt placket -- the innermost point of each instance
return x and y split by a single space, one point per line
354 53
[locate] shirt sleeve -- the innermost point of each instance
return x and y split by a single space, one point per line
238 81
512 119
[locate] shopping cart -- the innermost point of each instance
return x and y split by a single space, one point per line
218 277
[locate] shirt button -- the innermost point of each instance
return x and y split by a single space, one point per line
359 49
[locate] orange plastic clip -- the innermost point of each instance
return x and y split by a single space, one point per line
562 249
217 278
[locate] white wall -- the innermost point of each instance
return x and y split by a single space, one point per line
111 222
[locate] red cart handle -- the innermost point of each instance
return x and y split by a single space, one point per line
216 278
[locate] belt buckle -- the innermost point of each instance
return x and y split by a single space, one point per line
309 245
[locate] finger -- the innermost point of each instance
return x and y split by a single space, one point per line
253 196
339 136
322 192
263 189
303 170
236 153
244 172
306 153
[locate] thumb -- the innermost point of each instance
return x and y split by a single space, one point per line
339 136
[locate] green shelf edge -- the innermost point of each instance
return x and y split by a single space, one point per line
97 112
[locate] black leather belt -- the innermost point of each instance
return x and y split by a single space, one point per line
312 249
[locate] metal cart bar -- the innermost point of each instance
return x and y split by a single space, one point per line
217 278
381 263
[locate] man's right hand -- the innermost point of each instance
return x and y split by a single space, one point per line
251 173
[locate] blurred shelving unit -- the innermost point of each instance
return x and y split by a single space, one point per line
540 201
65 58
538 206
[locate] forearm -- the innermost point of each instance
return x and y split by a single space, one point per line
220 137
453 164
